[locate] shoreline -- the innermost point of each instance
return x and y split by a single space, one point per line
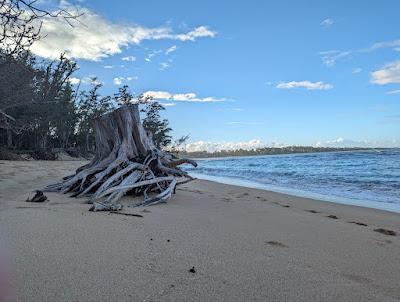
245 244
369 204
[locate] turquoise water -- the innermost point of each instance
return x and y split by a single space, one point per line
364 178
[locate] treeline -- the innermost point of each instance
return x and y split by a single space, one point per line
41 111
266 151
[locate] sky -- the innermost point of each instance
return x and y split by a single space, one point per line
245 73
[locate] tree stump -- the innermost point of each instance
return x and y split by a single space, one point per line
126 162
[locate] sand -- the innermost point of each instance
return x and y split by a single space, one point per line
245 245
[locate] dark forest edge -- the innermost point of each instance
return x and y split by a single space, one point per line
43 113
274 151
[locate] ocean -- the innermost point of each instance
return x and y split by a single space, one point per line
364 178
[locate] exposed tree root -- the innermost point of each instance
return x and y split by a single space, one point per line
126 163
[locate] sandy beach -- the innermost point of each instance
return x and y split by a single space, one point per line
245 245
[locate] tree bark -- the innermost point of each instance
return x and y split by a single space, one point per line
126 162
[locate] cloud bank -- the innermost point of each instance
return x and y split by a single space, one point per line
211 147
181 97
94 38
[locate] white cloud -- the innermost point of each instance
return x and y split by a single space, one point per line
149 57
390 73
171 49
226 146
120 80
356 70
129 58
327 22
181 97
198 32
74 81
94 38
304 84
168 104
348 143
164 65
330 57
380 45
113 66
394 91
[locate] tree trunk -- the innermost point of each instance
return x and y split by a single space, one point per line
126 162
9 139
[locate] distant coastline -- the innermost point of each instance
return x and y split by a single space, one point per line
273 151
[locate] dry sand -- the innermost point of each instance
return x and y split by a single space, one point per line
245 245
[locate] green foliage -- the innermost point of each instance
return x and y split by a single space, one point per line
158 127
39 109
90 106
124 96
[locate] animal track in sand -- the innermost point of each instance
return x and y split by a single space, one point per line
386 232
358 223
275 243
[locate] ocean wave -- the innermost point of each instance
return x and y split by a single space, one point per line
360 175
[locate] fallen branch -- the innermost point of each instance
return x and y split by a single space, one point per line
125 214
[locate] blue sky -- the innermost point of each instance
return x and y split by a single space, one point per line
289 72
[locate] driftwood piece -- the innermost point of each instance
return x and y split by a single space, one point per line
126 163
126 214
38 197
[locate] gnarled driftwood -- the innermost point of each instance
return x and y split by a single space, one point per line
126 162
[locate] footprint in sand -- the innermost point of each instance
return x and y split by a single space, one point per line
312 211
332 216
275 243
285 205
358 223
386 232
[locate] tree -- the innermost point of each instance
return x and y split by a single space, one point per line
64 120
154 124
124 96
91 106
21 22
31 95
20 26
17 88
50 89
176 147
